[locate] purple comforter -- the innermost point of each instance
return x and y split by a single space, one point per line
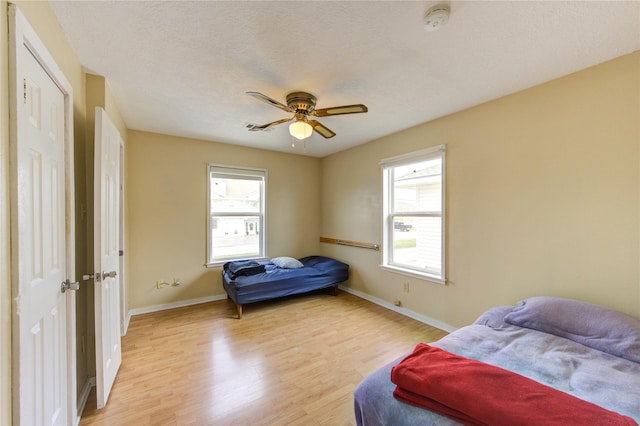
604 379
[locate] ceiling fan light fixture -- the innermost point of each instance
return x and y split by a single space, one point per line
300 129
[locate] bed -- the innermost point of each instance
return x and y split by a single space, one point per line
281 277
574 351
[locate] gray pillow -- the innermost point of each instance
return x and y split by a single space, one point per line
287 262
591 325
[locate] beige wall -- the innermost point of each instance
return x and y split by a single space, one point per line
543 198
166 220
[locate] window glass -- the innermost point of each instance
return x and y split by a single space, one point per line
236 214
413 214
418 187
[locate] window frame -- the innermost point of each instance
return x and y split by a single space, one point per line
388 165
237 172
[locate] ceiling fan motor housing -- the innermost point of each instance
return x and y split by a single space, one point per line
301 102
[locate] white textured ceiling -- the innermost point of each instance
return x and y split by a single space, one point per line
183 67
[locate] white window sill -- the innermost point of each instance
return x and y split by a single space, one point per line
414 274
220 263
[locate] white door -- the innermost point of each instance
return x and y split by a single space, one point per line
106 252
42 231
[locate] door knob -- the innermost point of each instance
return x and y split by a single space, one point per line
68 285
111 274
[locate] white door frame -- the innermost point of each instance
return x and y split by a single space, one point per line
23 38
124 317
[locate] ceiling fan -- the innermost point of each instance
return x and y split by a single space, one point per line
302 105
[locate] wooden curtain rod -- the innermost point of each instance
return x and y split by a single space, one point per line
350 243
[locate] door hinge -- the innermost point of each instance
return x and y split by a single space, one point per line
121 253
24 90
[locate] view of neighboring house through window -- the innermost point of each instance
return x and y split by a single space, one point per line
413 234
236 206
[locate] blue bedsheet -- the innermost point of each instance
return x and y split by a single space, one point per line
318 272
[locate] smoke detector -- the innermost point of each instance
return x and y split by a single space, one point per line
436 17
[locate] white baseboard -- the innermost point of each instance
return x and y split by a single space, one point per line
84 395
179 304
404 311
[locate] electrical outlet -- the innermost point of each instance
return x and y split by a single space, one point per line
158 284
177 282
406 287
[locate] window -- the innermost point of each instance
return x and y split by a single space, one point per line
235 209
413 228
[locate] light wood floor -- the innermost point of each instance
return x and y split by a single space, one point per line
292 361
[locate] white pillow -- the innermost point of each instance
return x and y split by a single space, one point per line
287 262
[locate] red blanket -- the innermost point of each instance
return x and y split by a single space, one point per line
474 393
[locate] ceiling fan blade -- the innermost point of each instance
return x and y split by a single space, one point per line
339 110
268 100
321 129
255 127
